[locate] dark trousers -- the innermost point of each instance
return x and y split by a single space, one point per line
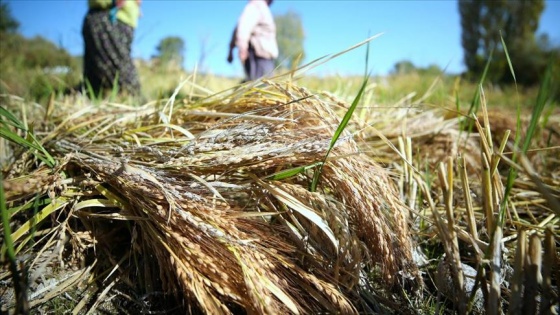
257 67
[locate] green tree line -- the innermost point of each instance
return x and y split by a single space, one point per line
32 67
290 36
488 25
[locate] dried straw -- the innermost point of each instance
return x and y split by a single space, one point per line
197 184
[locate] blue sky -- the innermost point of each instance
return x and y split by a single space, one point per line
424 32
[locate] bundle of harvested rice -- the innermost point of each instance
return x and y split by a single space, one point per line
218 194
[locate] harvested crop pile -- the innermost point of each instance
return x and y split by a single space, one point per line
240 202
210 202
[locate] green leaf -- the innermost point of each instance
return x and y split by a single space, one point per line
292 171
8 246
508 59
542 99
12 136
115 88
343 123
475 103
40 216
29 142
12 119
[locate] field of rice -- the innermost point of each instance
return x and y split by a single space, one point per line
282 196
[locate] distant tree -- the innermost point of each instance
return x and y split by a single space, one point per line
40 52
407 67
483 20
432 69
35 67
171 49
470 11
403 67
290 36
8 23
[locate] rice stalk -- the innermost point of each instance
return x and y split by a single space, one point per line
495 272
454 260
470 215
549 298
533 277
517 278
60 287
493 196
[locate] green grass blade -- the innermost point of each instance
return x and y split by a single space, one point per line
42 154
292 171
12 119
36 219
545 92
29 205
21 297
29 142
512 172
15 138
30 238
347 116
518 129
8 241
36 203
475 103
542 99
37 149
114 198
343 123
508 59
89 90
115 89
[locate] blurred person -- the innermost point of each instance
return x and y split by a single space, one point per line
255 38
108 31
